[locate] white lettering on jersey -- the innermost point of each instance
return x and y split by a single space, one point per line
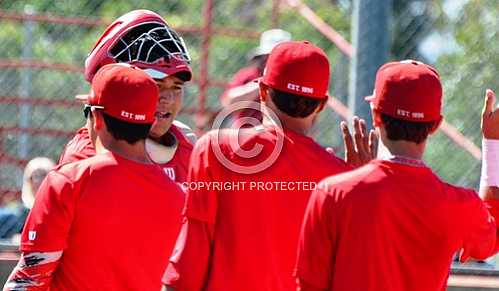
170 172
32 235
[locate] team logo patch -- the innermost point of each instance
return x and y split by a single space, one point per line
133 116
301 89
32 235
405 113
170 172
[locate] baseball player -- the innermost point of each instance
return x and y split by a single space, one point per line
393 224
108 222
241 229
144 39
241 87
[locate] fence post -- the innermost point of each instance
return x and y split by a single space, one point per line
25 110
275 13
371 39
201 118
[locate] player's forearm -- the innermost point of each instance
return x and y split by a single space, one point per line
489 193
489 179
33 272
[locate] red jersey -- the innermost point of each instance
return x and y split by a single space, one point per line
242 231
389 226
115 220
81 147
78 148
178 166
244 76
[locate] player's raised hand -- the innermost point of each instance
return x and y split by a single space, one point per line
490 116
362 147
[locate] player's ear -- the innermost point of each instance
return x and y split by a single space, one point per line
322 105
377 122
264 92
98 119
436 125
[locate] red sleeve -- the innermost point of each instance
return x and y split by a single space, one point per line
34 272
189 263
481 239
243 76
315 259
201 201
492 206
47 225
79 148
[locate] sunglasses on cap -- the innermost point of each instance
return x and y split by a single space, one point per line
87 108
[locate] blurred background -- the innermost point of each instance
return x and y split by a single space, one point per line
43 45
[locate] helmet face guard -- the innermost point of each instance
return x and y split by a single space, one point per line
147 43
141 38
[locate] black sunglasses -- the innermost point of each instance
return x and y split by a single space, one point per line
87 108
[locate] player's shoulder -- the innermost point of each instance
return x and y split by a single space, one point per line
211 138
246 73
81 138
350 180
462 194
219 141
183 132
450 192
77 169
78 148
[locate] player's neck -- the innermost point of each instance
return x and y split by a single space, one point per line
99 148
405 149
298 125
135 152
290 124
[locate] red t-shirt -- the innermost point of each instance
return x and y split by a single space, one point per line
244 76
389 226
115 220
78 148
81 147
245 238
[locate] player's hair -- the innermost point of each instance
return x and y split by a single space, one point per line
121 130
294 105
397 129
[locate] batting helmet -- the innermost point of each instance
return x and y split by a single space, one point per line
144 39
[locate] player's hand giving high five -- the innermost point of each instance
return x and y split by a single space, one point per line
362 147
490 116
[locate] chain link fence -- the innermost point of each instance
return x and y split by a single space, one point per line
43 49
453 36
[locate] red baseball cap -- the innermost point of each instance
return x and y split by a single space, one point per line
298 67
408 90
124 92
